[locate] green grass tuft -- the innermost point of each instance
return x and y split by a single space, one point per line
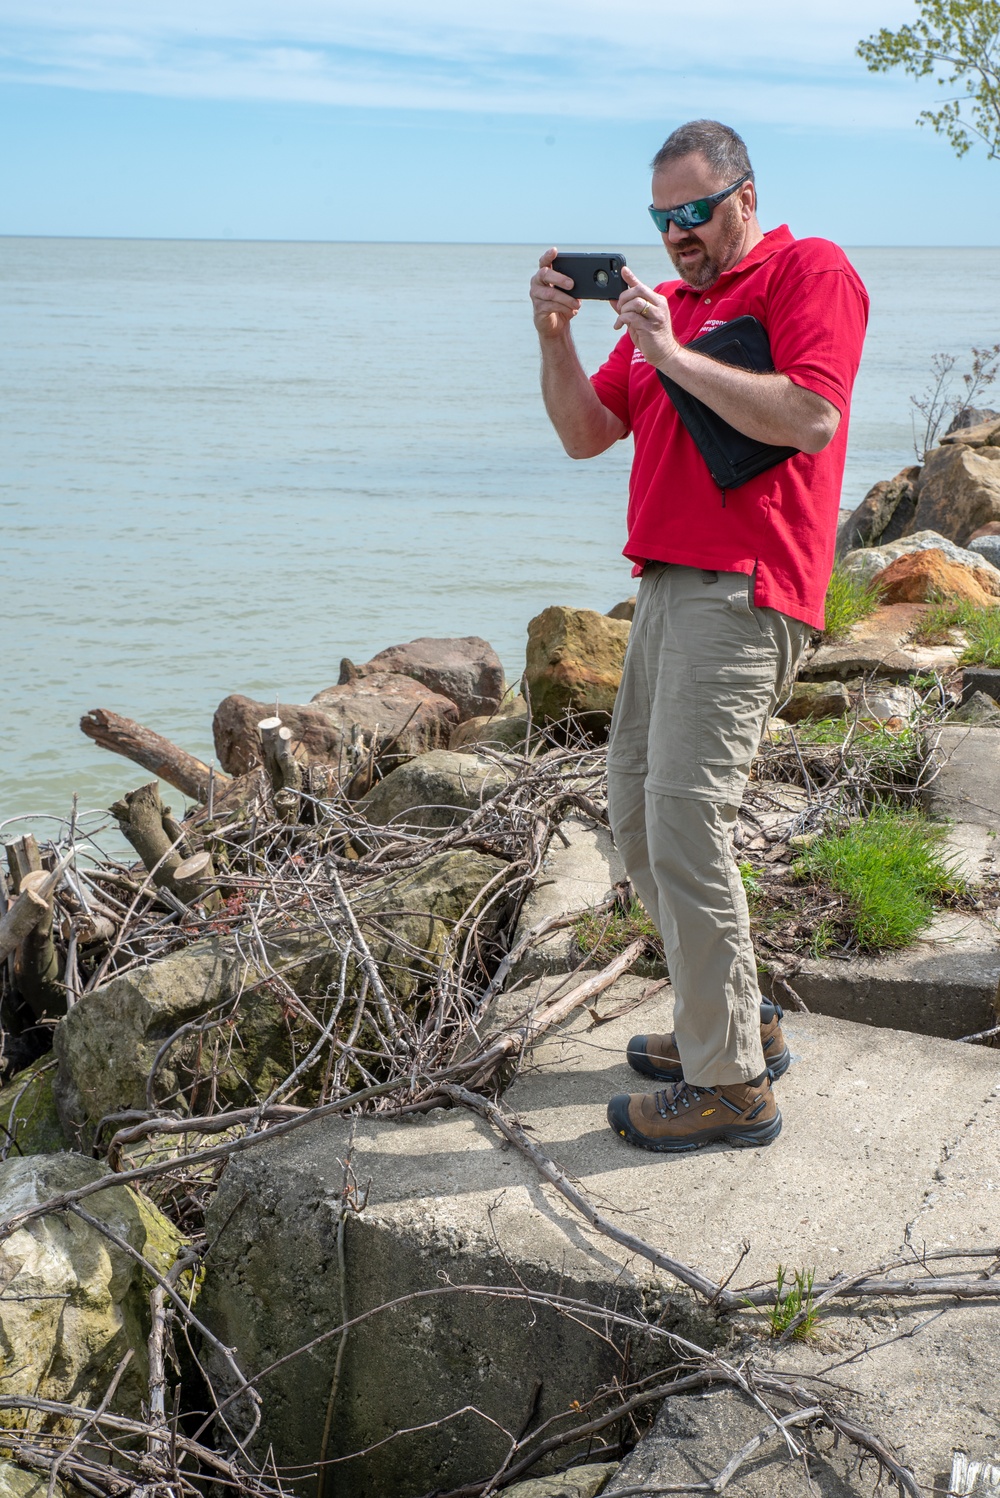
849 598
789 1303
981 627
605 936
888 868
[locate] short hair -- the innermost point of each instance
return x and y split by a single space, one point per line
722 148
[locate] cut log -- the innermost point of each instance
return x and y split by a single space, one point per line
23 857
21 919
157 839
36 964
153 752
284 770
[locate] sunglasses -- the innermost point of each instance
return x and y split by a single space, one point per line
691 215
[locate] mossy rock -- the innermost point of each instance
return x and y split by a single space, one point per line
74 1302
29 1122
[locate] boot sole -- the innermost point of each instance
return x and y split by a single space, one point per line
777 1067
751 1137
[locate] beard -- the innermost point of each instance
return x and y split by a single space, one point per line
706 270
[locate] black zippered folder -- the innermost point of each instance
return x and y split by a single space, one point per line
732 458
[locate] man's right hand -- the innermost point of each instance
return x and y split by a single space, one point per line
552 303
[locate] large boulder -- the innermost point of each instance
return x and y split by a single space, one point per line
929 576
574 665
811 701
871 519
390 716
435 790
108 1042
868 562
18 1482
74 1302
467 671
958 489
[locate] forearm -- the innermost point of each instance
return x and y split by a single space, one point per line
767 407
585 426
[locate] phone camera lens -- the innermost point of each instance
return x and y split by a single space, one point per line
601 277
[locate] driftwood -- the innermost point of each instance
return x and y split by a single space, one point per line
153 752
26 929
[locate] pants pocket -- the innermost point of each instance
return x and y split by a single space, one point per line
732 705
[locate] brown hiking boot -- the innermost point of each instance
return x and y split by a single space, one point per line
684 1118
657 1055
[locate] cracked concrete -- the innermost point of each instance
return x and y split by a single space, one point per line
882 1130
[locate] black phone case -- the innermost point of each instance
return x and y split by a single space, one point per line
585 266
732 458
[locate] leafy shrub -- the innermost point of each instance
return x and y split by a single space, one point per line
849 598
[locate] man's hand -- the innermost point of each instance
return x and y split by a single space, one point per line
647 316
553 306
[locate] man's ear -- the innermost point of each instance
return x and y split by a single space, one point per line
748 197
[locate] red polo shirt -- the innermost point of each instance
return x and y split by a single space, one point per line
783 523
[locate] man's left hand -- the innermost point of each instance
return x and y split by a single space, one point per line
647 316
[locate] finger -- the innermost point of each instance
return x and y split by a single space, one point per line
638 288
544 261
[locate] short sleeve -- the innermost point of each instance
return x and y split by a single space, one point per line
816 326
611 381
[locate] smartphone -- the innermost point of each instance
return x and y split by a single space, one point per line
596 277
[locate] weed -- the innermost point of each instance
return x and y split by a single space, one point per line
790 1302
849 598
751 879
980 626
823 938
888 868
605 936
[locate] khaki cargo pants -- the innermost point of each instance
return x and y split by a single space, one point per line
703 672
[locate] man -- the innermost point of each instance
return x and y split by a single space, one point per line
733 583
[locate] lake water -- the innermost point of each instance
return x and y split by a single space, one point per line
226 465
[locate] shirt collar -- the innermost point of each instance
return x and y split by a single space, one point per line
774 240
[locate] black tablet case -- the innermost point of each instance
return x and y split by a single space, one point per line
732 458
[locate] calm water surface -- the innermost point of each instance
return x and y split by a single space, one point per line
227 465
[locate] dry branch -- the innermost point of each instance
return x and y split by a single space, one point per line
153 752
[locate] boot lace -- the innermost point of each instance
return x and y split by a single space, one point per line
680 1095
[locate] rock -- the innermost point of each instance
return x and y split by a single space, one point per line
929 576
109 1040
496 731
574 665
974 428
979 710
623 610
868 562
880 646
992 528
467 671
958 490
866 524
987 546
28 1113
695 1438
73 1301
394 713
438 789
985 679
576 875
815 700
18 1482
888 703
578 1482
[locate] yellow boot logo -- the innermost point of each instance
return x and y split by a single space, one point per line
707 1112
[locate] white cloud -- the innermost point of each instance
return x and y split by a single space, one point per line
579 57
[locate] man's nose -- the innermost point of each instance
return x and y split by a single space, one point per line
675 235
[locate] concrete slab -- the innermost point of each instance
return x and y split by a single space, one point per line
967 786
574 877
870 1117
942 985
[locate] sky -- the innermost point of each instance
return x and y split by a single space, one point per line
514 122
